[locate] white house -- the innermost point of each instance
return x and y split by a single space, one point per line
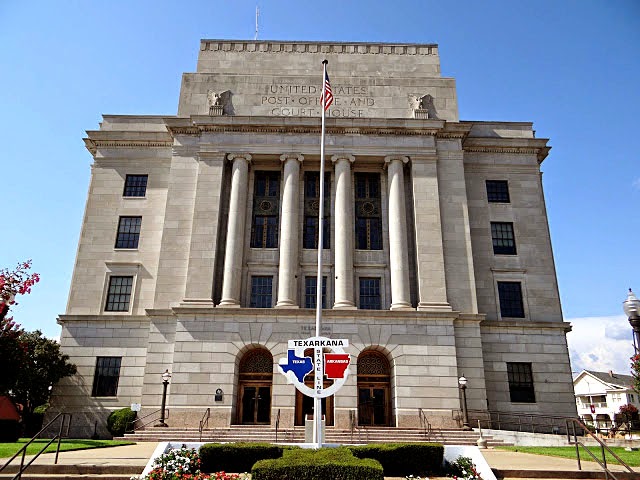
599 396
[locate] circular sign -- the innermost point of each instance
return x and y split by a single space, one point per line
334 366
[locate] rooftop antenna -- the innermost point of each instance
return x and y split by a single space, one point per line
257 16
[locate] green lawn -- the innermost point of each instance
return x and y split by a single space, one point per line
630 458
8 449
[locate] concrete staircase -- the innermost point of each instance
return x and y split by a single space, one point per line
74 472
252 433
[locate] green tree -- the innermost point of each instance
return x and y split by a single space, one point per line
42 367
12 353
18 281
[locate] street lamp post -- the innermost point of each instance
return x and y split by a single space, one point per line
165 383
631 308
462 381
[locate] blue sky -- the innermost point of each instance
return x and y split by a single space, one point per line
571 67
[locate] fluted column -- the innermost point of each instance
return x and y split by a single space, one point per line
344 232
398 257
289 228
235 230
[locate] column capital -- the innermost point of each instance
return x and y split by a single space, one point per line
244 156
292 156
390 158
343 156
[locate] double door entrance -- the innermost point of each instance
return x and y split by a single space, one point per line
373 404
255 404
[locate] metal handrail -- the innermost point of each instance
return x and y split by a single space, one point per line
277 424
518 420
23 450
352 422
204 421
131 426
427 430
603 446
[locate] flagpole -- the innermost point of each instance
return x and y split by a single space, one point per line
317 406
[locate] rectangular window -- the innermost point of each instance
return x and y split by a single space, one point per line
261 288
521 382
119 294
504 241
265 232
370 294
312 210
106 377
498 191
310 292
266 201
510 294
128 232
135 186
368 211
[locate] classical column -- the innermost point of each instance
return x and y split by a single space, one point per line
398 257
235 230
344 232
289 228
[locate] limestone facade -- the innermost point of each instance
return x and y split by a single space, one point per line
224 227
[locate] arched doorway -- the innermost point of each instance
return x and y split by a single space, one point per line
254 387
374 389
304 404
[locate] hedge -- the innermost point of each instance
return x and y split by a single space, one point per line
235 457
118 421
403 459
326 463
10 430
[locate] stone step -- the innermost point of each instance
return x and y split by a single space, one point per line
245 433
73 472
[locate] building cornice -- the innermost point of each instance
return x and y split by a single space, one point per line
197 125
526 324
287 46
126 139
518 146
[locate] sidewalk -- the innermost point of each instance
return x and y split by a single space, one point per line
136 455
523 465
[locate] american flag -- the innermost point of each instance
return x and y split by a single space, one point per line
327 95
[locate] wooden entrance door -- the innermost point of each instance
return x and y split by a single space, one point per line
304 406
254 388
374 389
255 404
373 405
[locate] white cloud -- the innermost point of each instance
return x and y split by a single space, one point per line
600 343
636 184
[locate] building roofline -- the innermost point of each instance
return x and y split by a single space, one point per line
308 42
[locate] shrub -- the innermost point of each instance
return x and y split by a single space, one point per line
463 468
402 459
235 457
327 463
119 420
10 430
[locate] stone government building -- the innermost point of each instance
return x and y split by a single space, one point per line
198 247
